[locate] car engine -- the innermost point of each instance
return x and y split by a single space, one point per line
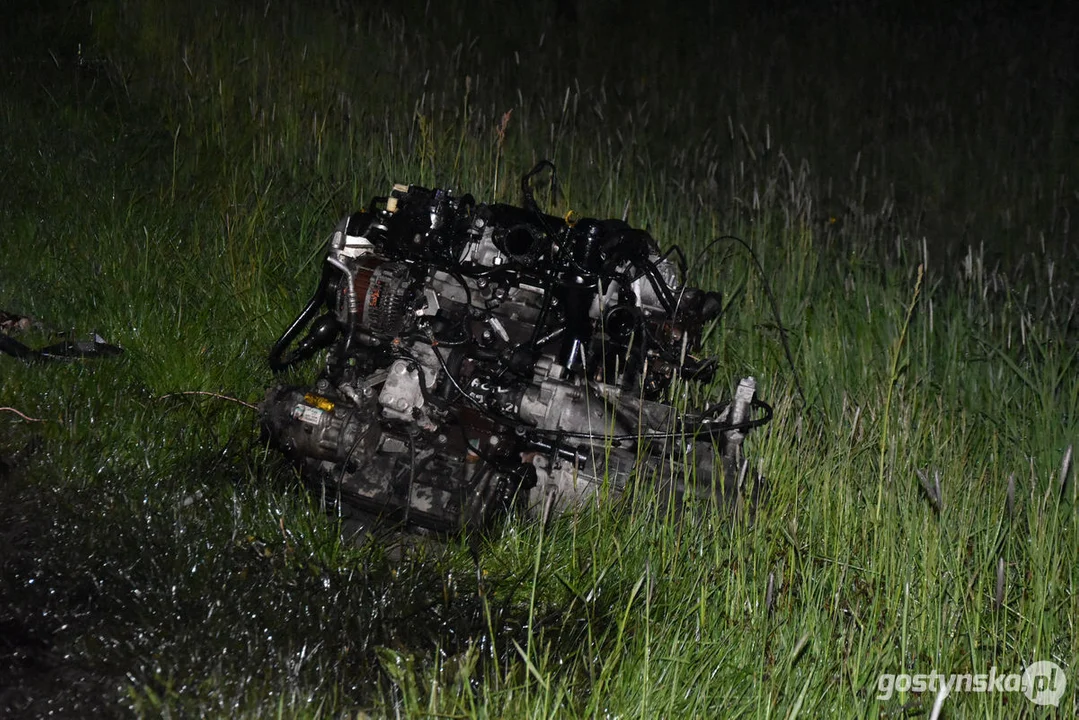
489 358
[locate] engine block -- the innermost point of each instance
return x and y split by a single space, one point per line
485 358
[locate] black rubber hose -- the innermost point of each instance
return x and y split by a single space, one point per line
277 364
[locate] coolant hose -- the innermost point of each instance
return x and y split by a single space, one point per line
277 364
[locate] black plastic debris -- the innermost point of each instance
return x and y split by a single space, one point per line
93 348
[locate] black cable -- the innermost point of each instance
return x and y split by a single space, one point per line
466 327
348 458
422 376
526 184
541 320
682 264
469 448
771 299
445 368
529 199
464 285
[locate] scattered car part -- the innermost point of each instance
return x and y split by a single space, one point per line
94 347
487 357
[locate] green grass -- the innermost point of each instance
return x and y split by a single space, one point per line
169 173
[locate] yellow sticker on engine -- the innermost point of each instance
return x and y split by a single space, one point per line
318 401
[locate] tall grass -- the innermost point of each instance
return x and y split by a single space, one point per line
178 168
